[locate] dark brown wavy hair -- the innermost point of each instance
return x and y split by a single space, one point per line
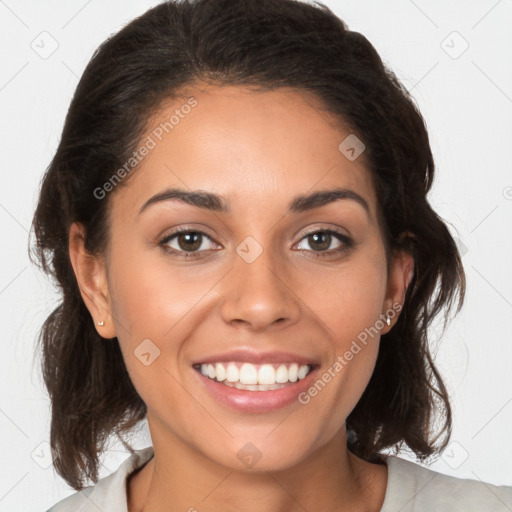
266 44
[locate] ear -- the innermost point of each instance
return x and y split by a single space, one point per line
90 273
399 277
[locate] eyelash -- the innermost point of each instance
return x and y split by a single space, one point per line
347 243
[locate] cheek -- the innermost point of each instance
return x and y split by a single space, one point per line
155 307
351 300
150 297
349 303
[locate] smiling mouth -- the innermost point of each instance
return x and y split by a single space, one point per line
254 377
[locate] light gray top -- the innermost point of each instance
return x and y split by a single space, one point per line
410 488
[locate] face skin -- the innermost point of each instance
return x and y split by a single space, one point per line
259 150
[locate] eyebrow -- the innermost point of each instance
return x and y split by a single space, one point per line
217 203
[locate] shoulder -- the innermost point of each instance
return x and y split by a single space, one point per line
414 488
109 493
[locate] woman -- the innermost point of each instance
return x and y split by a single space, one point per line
237 217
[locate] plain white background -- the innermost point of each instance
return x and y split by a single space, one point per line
454 56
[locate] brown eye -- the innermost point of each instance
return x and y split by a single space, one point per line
190 241
321 242
187 242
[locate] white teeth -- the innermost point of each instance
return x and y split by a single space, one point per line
220 371
231 373
248 374
292 372
266 374
303 371
282 374
254 387
255 377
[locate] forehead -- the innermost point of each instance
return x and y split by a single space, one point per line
252 146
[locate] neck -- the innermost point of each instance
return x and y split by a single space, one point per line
178 478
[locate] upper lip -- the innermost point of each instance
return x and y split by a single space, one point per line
253 357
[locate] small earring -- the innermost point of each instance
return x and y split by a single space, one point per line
388 321
101 323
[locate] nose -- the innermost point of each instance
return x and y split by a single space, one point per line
259 294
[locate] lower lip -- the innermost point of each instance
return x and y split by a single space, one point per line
257 401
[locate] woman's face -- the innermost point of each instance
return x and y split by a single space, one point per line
269 285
